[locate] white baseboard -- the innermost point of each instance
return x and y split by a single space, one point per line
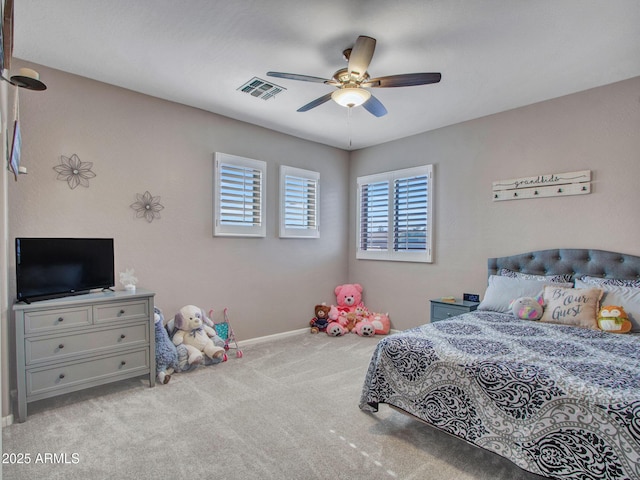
275 336
8 420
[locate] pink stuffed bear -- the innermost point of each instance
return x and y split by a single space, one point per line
349 296
351 313
335 328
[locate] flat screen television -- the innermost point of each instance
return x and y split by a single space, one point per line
56 267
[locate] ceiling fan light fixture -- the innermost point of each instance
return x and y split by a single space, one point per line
351 96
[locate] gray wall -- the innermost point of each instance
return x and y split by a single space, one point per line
139 143
595 130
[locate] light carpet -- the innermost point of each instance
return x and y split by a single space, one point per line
288 409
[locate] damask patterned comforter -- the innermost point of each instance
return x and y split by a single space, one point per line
558 401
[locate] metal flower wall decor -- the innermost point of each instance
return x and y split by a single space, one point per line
147 206
74 171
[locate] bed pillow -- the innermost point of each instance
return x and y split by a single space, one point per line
502 290
599 282
627 297
571 306
559 278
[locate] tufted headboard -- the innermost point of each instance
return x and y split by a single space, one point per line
576 261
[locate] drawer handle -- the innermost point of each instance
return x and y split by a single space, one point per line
60 319
61 346
123 363
121 312
61 376
123 336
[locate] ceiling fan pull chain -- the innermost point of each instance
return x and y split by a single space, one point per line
349 124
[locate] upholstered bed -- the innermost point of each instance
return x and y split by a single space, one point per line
557 397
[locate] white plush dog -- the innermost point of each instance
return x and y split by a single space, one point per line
195 334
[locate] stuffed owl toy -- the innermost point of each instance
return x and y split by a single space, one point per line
614 319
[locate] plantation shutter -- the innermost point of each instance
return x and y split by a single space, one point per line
394 215
410 215
299 199
374 216
239 196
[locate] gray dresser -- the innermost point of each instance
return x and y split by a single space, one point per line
71 343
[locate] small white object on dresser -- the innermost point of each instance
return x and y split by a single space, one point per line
76 342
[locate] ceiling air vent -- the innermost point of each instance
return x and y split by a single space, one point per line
256 87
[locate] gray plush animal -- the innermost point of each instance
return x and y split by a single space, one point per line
166 353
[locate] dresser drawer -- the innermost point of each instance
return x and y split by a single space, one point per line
56 320
97 370
50 349
121 311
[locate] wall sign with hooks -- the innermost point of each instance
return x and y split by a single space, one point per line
551 185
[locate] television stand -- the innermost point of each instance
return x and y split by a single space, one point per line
68 344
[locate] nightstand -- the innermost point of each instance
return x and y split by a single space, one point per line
441 310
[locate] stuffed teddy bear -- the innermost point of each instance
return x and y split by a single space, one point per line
166 353
320 322
335 329
381 323
614 319
349 321
527 308
194 333
348 296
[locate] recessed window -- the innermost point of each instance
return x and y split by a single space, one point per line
394 215
299 202
239 196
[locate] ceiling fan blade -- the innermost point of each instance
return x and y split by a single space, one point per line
403 80
295 76
375 107
315 103
361 55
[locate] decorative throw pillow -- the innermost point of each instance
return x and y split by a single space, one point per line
559 278
503 290
628 297
571 306
619 282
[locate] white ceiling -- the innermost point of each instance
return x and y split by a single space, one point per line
494 55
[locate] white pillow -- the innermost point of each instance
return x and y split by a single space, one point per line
502 290
626 297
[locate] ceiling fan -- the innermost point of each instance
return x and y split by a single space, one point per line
353 80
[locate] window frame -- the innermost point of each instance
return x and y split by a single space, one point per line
304 231
256 229
391 254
